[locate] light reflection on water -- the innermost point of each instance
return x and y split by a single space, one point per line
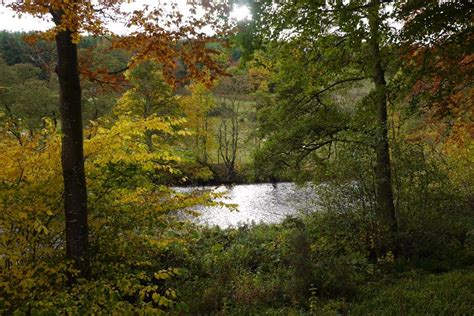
262 202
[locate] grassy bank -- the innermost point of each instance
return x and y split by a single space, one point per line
322 264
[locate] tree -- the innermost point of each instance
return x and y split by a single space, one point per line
436 56
385 205
154 38
24 98
103 81
149 95
230 93
228 137
197 107
16 48
340 44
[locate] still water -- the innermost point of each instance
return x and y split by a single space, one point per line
262 202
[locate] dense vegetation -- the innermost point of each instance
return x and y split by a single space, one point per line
378 114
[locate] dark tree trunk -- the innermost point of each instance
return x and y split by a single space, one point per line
72 155
385 205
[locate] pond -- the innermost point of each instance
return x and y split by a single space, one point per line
262 202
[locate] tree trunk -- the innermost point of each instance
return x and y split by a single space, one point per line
72 155
385 205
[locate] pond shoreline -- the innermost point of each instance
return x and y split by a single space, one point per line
217 182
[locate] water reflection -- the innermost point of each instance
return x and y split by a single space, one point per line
263 202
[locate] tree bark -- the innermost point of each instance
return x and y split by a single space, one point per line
72 154
385 205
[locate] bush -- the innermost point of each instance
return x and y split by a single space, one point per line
132 223
435 210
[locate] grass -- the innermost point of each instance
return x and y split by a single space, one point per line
449 293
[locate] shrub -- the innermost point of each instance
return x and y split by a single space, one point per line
132 222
